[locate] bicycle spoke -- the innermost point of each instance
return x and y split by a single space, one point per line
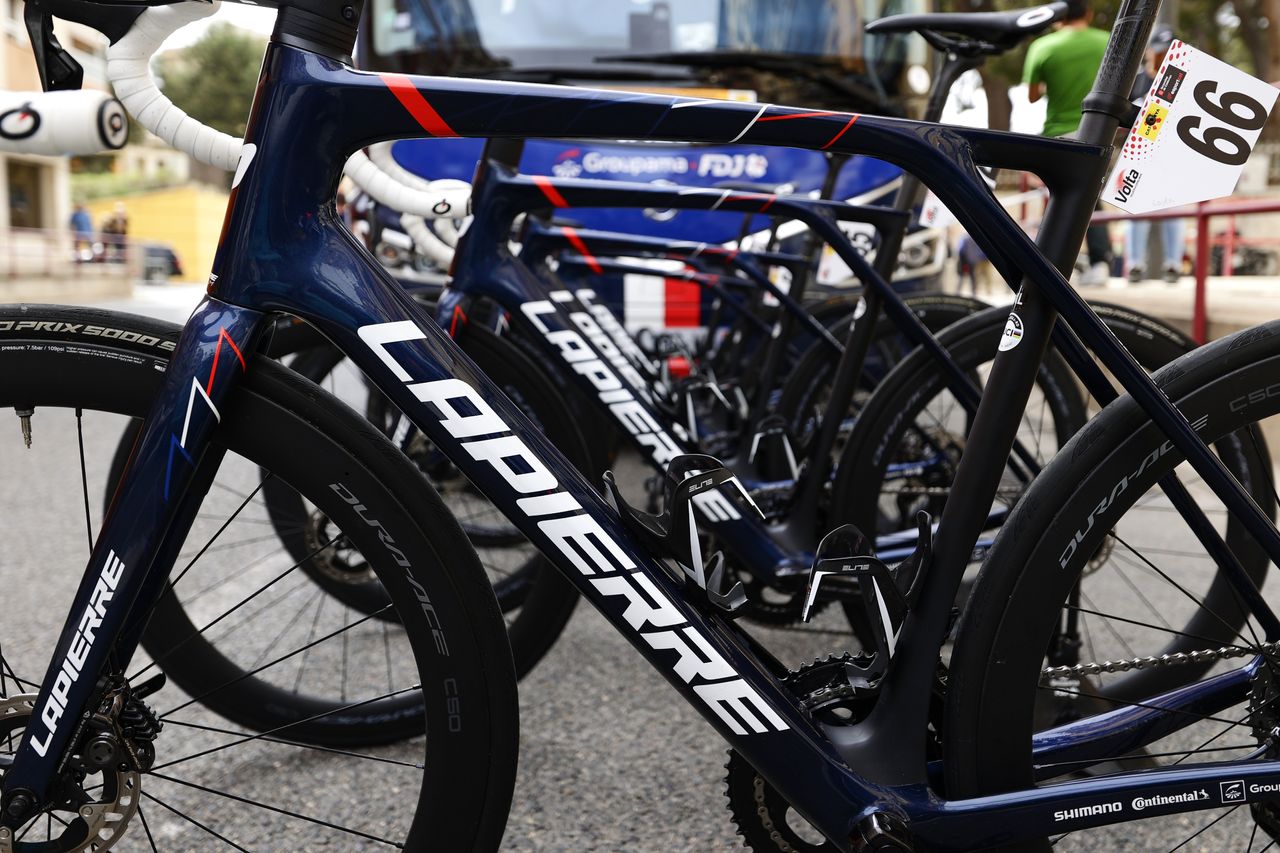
288 625
1165 630
1179 588
1111 629
386 651
277 809
146 828
189 819
234 608
311 634
237 574
311 746
268 732
1204 828
342 694
255 671
207 545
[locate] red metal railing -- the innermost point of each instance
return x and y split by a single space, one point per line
1201 213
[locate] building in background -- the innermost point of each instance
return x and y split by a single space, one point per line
36 190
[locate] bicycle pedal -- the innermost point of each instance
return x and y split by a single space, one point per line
674 532
771 451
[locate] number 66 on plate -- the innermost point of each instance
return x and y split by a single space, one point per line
1193 135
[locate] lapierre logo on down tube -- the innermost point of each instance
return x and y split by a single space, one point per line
590 352
580 538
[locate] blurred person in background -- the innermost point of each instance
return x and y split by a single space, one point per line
1171 230
972 264
114 230
1060 67
81 233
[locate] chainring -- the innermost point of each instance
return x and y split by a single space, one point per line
766 821
769 605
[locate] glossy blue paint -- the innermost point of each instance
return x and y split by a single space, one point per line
284 250
139 538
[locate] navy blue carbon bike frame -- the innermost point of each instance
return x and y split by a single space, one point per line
284 250
565 324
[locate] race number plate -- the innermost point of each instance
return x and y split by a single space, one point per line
934 214
1193 135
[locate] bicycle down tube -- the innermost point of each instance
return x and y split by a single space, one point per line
283 250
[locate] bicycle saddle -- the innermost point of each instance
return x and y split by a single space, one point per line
996 28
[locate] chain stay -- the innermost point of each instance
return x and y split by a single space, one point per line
1176 658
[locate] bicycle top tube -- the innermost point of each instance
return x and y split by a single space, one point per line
539 241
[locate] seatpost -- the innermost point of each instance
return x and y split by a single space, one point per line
901 712
952 65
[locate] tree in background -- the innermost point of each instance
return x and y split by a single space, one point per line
1244 33
213 80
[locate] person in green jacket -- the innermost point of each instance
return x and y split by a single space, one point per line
1060 67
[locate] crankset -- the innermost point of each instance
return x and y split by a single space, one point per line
766 822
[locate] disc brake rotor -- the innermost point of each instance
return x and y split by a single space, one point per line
81 821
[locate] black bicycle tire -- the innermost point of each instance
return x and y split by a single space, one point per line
84 358
816 365
1151 342
548 600
1007 599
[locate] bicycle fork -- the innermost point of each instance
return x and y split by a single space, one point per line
145 525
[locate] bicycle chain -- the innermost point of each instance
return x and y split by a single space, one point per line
1174 659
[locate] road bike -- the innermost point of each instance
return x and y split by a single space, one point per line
856 745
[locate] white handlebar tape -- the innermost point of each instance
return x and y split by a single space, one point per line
426 242
430 201
128 69
61 123
448 231
381 156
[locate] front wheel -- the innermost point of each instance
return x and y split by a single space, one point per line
294 668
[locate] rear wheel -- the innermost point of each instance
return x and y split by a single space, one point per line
1097 551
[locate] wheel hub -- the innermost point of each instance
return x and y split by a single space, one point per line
337 561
